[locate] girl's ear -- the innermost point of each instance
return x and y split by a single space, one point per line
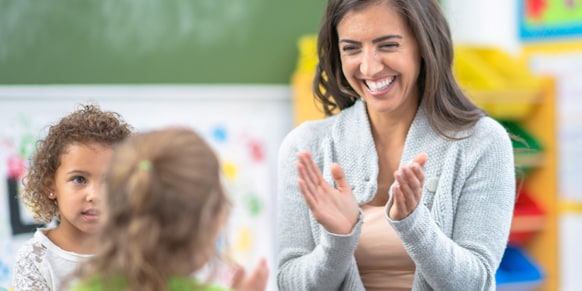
51 190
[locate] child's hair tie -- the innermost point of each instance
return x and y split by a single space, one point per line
145 165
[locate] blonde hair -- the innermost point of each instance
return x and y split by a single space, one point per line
88 124
163 202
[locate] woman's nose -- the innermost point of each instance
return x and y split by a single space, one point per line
371 63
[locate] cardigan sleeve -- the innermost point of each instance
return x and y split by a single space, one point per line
480 217
309 257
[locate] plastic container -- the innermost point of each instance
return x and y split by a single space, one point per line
528 219
518 271
528 151
503 86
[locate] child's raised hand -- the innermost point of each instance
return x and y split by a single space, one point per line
256 281
336 209
407 190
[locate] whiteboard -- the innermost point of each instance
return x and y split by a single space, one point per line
244 124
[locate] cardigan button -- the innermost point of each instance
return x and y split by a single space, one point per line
432 184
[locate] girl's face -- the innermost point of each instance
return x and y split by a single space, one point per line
78 185
380 58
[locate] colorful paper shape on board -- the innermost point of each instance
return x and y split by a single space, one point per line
549 19
230 171
254 204
219 134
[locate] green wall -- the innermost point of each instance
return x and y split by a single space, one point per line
152 41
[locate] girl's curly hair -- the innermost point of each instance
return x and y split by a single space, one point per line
88 124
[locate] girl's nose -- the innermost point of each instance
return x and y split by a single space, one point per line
93 193
91 196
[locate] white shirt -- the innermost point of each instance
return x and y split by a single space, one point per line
42 265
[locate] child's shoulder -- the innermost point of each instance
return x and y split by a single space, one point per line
28 265
33 249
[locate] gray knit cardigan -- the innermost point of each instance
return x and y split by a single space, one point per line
456 236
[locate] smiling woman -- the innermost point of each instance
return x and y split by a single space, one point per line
409 185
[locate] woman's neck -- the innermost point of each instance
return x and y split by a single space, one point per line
391 129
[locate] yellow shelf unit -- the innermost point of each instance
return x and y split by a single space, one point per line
505 88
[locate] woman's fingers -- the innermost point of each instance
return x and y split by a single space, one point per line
307 184
256 281
237 277
339 176
398 209
409 181
311 170
407 191
258 278
420 159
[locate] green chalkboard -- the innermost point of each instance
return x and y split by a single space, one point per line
153 41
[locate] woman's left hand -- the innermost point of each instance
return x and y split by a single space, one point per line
407 190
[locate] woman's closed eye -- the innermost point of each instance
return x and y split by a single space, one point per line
389 46
350 49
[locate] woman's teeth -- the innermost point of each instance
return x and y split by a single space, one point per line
380 85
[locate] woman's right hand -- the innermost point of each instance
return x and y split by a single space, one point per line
256 281
336 209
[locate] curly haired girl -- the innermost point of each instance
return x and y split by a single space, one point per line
64 183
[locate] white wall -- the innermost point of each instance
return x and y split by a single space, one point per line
491 22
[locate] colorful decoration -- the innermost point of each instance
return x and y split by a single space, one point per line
542 19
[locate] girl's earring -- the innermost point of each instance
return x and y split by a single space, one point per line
51 195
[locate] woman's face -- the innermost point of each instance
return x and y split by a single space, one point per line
380 58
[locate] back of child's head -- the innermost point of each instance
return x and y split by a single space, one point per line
164 204
88 124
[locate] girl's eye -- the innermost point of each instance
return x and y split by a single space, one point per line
79 179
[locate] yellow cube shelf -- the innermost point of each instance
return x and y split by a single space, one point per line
496 82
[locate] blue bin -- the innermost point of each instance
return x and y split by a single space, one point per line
517 271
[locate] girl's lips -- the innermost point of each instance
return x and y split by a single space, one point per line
90 214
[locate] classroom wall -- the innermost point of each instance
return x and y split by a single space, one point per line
492 22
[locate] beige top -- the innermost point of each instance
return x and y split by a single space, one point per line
382 260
